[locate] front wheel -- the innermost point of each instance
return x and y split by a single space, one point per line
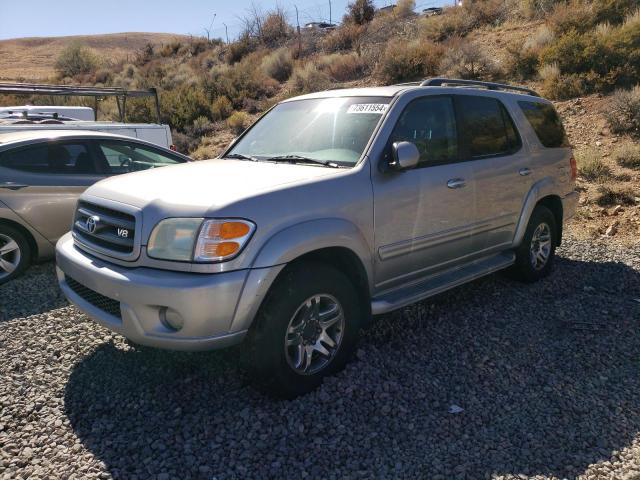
306 329
535 255
15 254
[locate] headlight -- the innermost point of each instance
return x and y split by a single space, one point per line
199 240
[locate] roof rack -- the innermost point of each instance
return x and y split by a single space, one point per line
97 93
439 82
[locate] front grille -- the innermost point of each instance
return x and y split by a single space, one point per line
107 229
106 304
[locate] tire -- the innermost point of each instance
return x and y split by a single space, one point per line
306 288
542 228
15 253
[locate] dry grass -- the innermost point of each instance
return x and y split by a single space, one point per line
591 166
34 58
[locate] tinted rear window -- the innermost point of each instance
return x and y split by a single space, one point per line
488 128
546 123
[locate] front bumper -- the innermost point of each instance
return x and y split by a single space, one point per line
209 303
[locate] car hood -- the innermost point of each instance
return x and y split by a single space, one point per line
197 187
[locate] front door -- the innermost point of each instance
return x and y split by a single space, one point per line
41 183
423 216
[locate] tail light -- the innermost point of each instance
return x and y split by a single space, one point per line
574 168
173 147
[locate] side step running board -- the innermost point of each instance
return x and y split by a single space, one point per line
406 295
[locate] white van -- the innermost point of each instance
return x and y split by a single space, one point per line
48 117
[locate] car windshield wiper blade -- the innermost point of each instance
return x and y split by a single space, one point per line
301 159
240 156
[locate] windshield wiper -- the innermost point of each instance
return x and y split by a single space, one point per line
240 156
301 159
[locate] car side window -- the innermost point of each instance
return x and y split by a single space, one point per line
546 123
125 157
54 158
430 124
488 128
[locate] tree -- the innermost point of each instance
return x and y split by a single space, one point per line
76 59
360 12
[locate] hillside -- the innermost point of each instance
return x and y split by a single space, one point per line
33 58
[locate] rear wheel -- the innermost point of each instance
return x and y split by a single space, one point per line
535 255
306 329
15 254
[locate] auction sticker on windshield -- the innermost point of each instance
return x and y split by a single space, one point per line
378 108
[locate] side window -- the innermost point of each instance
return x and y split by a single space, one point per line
546 123
430 124
488 128
129 157
60 158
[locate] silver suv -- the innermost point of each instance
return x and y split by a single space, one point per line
333 207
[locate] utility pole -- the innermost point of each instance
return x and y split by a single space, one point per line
208 30
299 39
226 31
329 11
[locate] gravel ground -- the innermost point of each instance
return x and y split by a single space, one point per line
545 377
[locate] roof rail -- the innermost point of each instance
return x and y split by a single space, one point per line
438 82
82 91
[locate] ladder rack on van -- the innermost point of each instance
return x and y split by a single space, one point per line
439 82
97 93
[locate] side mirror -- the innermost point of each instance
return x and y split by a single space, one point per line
405 155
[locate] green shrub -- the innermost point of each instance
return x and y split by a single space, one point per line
238 122
183 105
278 65
459 21
628 155
404 61
342 67
76 59
591 167
623 111
308 79
240 48
557 86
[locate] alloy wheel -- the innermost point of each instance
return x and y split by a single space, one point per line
314 334
540 248
10 255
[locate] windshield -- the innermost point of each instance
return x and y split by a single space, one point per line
326 129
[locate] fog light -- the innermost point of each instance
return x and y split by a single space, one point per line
171 319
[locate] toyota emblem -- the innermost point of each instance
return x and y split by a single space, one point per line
92 223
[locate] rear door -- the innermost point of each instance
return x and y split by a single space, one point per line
42 182
500 168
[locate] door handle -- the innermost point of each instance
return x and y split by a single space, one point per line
456 183
525 171
12 186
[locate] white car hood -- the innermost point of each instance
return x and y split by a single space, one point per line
204 185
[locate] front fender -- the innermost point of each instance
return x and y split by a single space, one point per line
297 240
540 189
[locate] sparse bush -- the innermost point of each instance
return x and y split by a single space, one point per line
344 38
221 108
76 59
183 142
459 21
623 111
360 12
403 62
342 67
465 59
608 196
238 122
536 8
573 15
201 126
628 155
308 79
275 29
278 65
557 86
240 48
405 8
171 49
591 167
